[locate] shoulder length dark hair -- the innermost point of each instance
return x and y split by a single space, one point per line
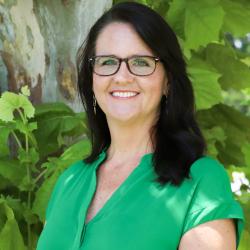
178 139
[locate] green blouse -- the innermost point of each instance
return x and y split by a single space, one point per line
140 214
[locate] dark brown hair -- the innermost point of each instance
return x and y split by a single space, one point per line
178 139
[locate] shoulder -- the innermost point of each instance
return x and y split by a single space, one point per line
208 169
206 164
209 181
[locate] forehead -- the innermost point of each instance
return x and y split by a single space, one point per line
122 40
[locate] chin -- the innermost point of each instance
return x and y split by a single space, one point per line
123 117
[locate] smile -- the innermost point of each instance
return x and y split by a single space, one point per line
124 94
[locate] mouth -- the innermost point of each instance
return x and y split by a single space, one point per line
124 94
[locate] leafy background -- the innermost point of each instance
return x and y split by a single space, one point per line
38 143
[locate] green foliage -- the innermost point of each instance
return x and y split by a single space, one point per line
240 100
10 102
57 123
202 75
232 123
207 16
36 145
237 16
220 77
10 235
234 73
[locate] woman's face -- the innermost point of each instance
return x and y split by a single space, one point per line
121 40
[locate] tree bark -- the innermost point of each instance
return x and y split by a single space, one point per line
38 44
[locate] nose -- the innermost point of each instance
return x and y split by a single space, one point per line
123 75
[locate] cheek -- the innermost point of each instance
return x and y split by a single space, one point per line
95 82
157 86
100 89
98 84
159 80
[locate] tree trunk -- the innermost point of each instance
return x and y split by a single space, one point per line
38 44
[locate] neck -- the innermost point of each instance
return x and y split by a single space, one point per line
130 141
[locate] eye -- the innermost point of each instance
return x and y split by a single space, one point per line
142 62
107 61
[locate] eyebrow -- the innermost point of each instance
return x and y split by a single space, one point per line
134 55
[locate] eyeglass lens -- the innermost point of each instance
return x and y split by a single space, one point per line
140 65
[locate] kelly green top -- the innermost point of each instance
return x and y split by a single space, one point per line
140 214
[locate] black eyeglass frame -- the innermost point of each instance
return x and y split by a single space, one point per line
92 61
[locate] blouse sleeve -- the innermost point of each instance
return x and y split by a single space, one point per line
212 198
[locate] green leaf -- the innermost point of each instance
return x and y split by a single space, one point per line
53 127
30 217
245 239
205 82
74 153
10 235
81 127
176 16
214 135
48 108
26 184
4 183
25 128
159 6
4 135
16 205
237 17
237 130
6 109
12 171
185 50
197 22
246 151
50 166
203 20
31 136
9 102
32 126
31 157
43 194
244 244
234 73
27 106
25 90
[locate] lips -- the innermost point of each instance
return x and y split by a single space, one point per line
124 94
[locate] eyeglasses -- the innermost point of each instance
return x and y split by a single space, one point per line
137 65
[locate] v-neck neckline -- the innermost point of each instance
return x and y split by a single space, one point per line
116 192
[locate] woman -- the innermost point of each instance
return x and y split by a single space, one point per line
147 183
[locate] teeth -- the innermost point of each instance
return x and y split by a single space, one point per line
124 94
